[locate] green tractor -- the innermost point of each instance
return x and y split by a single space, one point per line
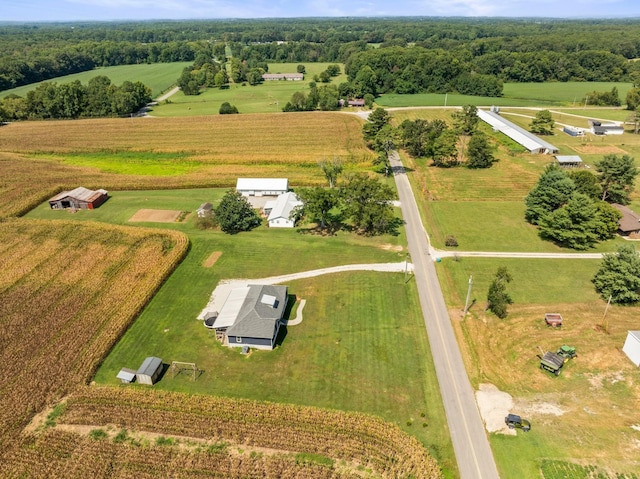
567 352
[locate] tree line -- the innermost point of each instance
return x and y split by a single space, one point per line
99 98
407 55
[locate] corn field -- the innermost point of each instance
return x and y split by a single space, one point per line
67 294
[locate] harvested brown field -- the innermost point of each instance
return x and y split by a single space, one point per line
155 216
354 441
212 259
68 292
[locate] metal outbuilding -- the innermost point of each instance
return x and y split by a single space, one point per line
127 375
530 141
149 370
262 186
632 347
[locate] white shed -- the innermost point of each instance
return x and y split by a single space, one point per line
262 186
632 347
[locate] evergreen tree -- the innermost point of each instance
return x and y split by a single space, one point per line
617 175
480 152
619 276
497 297
543 123
554 188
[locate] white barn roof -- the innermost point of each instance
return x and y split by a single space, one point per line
283 206
568 159
262 184
520 135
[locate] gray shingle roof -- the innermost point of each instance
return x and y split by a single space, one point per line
257 318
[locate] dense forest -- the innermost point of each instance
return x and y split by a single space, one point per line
402 55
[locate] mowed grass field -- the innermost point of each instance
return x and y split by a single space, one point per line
549 94
153 153
268 97
157 76
596 396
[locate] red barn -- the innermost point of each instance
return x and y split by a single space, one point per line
80 198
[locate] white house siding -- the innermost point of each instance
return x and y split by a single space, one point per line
632 347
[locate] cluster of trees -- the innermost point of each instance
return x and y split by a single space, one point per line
447 146
572 208
324 98
603 98
361 201
618 277
99 98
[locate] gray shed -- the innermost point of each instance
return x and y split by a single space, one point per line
127 375
149 371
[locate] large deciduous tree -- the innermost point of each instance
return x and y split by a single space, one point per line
367 203
619 276
332 169
317 204
617 175
497 297
235 214
465 121
444 149
573 225
543 123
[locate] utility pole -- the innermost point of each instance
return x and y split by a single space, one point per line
605 324
466 303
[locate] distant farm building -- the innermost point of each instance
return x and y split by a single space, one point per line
280 209
573 131
528 140
149 370
569 161
262 186
599 128
632 347
204 210
79 199
356 102
629 224
251 316
283 76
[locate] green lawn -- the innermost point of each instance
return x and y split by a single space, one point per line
158 76
514 94
362 345
270 96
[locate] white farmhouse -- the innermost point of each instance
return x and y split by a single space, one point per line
280 209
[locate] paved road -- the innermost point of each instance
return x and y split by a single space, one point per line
473 454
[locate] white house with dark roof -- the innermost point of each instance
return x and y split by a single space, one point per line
252 315
279 210
262 186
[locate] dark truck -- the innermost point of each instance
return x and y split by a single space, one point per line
514 421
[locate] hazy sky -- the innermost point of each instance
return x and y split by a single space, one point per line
57 10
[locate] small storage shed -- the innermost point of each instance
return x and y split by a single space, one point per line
149 370
569 161
205 210
632 347
127 375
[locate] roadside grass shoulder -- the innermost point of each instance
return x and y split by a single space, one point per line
158 76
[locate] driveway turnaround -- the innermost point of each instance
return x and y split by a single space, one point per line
473 453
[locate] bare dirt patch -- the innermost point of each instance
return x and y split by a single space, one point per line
598 149
390 247
494 405
156 216
211 260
